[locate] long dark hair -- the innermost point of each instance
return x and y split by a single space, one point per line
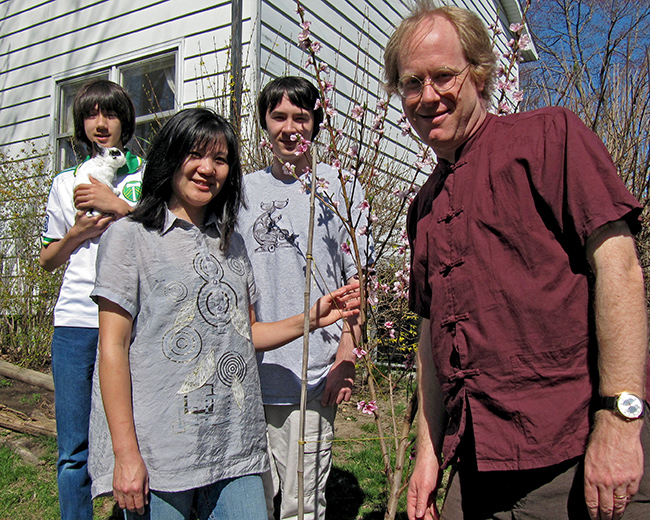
188 130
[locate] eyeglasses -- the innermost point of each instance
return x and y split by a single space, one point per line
441 80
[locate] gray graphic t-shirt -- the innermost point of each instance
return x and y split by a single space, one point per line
275 229
196 397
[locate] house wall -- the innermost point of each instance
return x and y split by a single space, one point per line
43 42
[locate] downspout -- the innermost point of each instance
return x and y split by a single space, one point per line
236 65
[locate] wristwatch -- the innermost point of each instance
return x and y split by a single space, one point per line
627 405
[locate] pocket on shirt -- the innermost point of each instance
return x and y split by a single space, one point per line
552 392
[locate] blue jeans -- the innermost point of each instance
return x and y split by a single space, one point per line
240 498
73 359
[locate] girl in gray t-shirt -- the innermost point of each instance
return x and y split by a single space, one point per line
177 336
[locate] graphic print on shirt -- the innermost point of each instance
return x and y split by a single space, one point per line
217 305
216 298
267 231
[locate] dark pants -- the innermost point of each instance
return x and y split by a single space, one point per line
551 493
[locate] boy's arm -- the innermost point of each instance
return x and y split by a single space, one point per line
57 253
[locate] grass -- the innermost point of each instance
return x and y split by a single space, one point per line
29 492
26 491
356 488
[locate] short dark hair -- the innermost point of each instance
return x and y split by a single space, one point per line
300 92
108 97
188 130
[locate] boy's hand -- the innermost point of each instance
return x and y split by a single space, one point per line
100 197
89 227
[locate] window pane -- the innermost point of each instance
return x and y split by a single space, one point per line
70 153
151 85
144 133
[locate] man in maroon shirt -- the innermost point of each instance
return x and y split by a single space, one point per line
532 357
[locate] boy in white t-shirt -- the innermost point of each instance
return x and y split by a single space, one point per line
104 114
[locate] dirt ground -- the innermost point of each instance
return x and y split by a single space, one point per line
344 494
28 399
37 402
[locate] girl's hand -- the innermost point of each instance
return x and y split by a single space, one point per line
131 483
338 304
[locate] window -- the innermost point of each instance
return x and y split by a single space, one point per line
151 83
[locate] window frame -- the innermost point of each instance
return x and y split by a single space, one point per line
113 71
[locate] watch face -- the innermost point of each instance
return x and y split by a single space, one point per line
630 406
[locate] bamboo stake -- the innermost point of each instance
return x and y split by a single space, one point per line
305 346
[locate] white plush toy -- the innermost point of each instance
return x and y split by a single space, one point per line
103 167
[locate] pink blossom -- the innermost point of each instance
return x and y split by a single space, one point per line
362 230
316 47
505 108
525 43
364 205
516 27
406 127
336 164
359 352
495 29
369 407
346 248
317 105
357 113
289 168
353 150
389 324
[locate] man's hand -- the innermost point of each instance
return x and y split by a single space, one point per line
421 495
613 466
339 383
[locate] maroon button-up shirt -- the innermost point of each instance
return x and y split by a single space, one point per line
499 267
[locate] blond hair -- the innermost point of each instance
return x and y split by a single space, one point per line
472 33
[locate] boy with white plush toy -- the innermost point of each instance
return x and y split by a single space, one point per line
83 202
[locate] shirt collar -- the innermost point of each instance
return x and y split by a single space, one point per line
171 220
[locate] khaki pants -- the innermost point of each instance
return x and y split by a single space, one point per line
283 430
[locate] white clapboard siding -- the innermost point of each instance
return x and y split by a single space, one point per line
43 42
46 41
353 34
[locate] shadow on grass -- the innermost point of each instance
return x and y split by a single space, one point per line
344 495
345 498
